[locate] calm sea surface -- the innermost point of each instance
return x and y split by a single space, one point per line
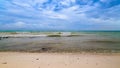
87 41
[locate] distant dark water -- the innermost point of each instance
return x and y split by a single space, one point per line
88 41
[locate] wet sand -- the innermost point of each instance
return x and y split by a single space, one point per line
58 60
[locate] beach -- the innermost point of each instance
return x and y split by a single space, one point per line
67 50
59 33
58 60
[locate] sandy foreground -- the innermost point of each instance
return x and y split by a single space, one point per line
58 60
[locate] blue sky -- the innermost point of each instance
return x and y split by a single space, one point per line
59 14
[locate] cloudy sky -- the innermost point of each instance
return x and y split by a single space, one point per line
59 14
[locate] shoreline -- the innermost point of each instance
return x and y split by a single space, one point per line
74 53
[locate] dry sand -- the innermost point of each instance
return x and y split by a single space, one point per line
58 60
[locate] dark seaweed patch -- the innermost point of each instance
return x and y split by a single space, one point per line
54 35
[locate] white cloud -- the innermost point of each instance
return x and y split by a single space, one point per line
35 14
55 15
19 24
22 4
65 2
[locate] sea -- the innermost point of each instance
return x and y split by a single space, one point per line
88 41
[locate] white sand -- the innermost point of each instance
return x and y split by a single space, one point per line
54 60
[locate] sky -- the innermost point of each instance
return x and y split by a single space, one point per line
60 15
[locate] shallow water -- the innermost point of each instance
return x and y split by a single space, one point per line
90 41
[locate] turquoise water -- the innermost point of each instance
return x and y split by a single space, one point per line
109 34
